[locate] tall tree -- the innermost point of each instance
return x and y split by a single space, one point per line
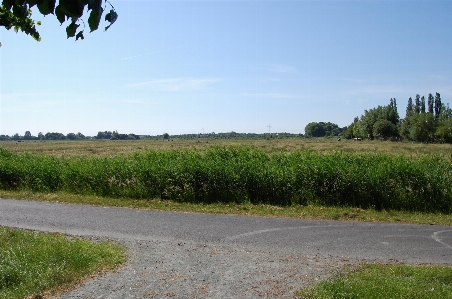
17 14
438 105
417 105
422 104
409 107
430 103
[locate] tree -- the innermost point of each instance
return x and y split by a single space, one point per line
444 131
27 136
417 105
384 128
422 104
17 14
422 127
104 135
370 117
71 136
430 103
166 136
321 129
438 105
409 107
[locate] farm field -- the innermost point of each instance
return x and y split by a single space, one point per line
322 145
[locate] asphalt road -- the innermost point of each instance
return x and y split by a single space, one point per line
357 240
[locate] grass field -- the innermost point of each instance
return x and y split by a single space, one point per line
92 148
36 264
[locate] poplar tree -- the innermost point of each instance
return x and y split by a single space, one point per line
422 104
409 107
430 103
438 105
417 105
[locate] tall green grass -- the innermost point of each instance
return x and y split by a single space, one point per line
244 174
34 263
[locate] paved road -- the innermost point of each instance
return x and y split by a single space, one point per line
357 240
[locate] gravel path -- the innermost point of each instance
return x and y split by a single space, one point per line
169 269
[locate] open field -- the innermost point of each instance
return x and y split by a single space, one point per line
322 145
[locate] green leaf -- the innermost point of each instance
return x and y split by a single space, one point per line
60 14
8 4
20 11
34 2
72 8
79 35
94 4
70 30
94 19
111 17
47 7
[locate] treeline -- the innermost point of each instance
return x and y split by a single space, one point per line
426 120
114 135
47 136
71 136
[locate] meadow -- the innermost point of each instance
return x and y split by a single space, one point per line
292 172
91 148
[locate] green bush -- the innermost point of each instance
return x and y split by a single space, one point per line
244 174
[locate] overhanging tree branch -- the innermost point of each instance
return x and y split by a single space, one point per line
17 14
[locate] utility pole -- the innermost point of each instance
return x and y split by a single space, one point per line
269 129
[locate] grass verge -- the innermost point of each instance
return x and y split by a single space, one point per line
296 211
375 281
36 264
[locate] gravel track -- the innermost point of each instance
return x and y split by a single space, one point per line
169 269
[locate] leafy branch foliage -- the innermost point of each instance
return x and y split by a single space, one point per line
17 14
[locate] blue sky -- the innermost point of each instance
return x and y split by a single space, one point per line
220 66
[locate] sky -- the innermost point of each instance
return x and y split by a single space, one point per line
182 67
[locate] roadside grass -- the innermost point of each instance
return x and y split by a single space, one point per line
34 264
296 211
382 281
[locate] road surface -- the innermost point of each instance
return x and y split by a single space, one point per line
190 255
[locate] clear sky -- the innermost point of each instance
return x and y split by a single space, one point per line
220 66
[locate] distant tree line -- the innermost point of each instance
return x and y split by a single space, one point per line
114 135
70 136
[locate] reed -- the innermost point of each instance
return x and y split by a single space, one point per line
243 174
